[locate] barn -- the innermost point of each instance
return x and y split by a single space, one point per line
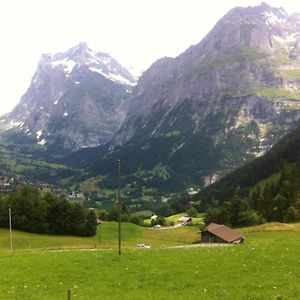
185 220
216 233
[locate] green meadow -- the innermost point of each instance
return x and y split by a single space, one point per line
106 238
174 219
267 266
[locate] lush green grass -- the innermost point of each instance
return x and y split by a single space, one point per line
267 266
107 237
272 226
176 217
273 92
143 213
290 74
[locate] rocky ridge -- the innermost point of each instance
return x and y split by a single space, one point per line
232 95
76 99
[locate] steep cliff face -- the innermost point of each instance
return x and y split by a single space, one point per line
251 51
224 101
76 99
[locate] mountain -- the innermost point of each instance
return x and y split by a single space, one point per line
76 99
189 120
267 189
283 157
215 107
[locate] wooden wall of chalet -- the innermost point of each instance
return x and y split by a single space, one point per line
208 237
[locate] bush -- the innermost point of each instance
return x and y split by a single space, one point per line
249 218
159 221
291 215
137 220
192 212
103 214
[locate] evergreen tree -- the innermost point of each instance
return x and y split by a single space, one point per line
291 215
281 205
267 205
91 224
192 212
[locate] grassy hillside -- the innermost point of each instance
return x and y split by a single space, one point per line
265 267
107 237
174 219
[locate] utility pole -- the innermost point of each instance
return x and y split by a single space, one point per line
119 203
99 234
10 230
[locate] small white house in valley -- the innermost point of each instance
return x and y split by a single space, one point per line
154 217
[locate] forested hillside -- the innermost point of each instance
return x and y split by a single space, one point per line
269 187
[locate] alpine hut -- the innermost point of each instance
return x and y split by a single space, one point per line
216 233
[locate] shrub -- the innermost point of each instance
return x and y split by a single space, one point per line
291 215
192 212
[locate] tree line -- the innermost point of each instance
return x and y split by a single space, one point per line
285 151
268 187
37 212
277 199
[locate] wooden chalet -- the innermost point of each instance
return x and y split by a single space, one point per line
185 219
216 233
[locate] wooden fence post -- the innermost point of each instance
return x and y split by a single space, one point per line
69 294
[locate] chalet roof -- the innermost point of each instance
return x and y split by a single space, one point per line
212 225
224 232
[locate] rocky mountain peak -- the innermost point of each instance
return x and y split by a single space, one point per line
83 56
239 86
249 27
78 50
77 98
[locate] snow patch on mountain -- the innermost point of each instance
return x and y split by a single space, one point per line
114 77
39 134
15 124
67 64
101 62
272 18
42 142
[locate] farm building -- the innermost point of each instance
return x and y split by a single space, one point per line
216 233
185 219
153 217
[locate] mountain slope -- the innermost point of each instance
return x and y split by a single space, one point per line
213 108
249 52
284 153
76 99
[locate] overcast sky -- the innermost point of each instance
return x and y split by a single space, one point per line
135 32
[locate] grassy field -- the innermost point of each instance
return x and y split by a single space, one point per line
267 266
107 237
174 219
